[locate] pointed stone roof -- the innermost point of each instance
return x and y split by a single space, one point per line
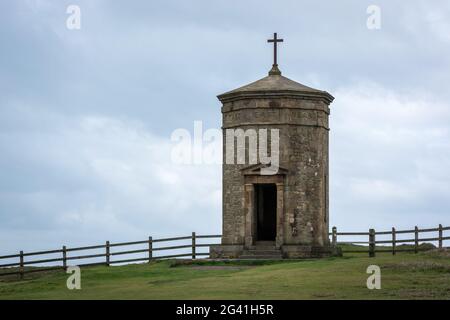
275 85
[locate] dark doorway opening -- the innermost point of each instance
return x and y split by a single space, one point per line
266 212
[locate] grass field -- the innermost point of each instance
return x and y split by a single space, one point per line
404 276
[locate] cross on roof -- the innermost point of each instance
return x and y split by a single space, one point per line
275 40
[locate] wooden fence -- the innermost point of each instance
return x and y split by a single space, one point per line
412 243
65 255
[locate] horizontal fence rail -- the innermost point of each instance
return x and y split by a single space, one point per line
154 250
412 244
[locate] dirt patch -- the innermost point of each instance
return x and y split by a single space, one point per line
161 281
422 294
418 266
220 267
439 253
223 263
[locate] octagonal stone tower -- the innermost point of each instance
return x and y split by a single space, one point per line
283 214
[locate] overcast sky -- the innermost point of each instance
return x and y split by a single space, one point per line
86 115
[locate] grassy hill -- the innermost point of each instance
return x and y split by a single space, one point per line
404 276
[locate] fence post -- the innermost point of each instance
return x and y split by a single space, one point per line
334 236
394 239
64 252
371 242
150 249
440 236
21 268
193 245
107 253
416 239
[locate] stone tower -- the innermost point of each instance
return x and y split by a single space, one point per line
283 213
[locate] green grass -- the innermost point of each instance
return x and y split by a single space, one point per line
404 276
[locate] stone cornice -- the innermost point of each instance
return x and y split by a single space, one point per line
308 95
234 109
254 124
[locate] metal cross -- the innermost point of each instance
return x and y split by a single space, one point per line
275 40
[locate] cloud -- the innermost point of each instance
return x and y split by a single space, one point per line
103 178
86 116
389 154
